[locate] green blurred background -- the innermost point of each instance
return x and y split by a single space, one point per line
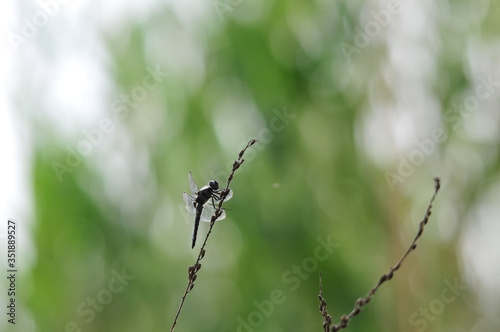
356 106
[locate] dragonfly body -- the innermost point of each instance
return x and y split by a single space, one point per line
196 203
203 196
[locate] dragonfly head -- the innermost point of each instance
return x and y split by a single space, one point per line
213 184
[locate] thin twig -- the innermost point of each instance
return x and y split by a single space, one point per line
327 319
193 269
344 320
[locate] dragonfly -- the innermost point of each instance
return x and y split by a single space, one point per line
201 203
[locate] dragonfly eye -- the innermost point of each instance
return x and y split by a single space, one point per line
213 184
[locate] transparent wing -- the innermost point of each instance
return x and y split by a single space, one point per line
209 211
229 196
189 200
192 185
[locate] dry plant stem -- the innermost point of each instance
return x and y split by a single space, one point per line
327 319
193 269
344 320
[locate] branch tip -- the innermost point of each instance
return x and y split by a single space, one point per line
344 320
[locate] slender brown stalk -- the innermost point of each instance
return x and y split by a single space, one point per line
193 269
327 319
344 320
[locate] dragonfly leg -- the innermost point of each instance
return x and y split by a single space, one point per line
217 197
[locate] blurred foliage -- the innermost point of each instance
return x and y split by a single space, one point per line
273 71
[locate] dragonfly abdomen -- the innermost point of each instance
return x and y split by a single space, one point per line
199 209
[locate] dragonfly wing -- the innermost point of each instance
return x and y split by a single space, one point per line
189 200
209 211
229 195
192 185
222 216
